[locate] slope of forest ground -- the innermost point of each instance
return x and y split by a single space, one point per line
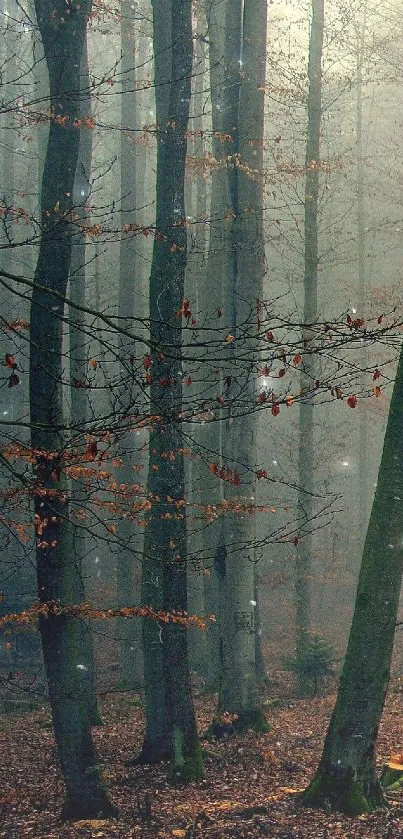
250 788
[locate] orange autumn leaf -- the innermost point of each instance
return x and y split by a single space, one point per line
10 361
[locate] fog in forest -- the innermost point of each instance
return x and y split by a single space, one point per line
201 262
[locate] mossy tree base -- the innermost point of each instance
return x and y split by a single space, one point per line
341 790
187 769
252 721
392 773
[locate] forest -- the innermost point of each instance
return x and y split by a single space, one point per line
201 414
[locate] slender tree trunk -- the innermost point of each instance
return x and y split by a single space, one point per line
165 540
129 630
362 284
308 375
245 64
58 575
195 281
346 778
157 744
78 355
211 307
8 135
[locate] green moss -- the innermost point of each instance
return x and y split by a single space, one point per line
397 785
314 794
344 794
252 721
391 778
355 802
273 703
189 769
187 762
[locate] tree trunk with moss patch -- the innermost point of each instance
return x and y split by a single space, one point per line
346 778
392 773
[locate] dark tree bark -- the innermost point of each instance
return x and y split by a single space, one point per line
346 778
58 576
157 742
78 353
132 172
165 539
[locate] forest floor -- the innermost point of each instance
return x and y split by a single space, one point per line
250 788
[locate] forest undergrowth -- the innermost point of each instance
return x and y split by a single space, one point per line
251 785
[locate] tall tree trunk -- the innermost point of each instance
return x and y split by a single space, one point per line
129 630
346 777
362 297
78 354
157 744
308 375
245 64
165 539
58 575
195 281
8 189
210 306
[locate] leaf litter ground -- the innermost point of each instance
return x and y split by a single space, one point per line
250 789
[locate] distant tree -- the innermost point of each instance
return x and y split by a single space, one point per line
210 301
132 174
243 98
306 452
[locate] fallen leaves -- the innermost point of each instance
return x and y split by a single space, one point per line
251 787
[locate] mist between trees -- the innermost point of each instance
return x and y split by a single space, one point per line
200 222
